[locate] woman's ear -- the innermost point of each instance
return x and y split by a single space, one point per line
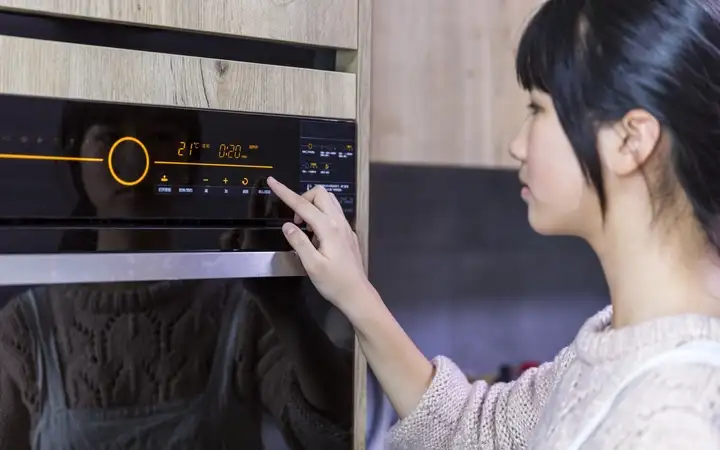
629 143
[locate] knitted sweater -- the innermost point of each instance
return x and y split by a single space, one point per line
674 407
148 344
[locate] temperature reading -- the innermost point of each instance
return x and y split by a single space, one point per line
230 151
184 148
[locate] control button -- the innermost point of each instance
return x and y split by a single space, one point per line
164 178
112 169
225 180
245 181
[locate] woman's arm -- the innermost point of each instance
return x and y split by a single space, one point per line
439 407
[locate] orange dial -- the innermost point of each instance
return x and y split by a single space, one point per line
110 163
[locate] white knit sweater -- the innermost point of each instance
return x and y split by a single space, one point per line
674 407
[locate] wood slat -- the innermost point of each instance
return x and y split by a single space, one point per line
331 23
54 69
360 63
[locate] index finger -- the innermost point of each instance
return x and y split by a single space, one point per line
307 211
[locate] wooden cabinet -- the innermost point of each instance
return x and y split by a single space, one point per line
330 23
48 67
444 85
58 69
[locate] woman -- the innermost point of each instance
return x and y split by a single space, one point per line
621 148
161 365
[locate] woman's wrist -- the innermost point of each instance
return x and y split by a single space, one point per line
363 307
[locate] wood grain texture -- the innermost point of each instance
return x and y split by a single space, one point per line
360 64
331 23
54 69
445 90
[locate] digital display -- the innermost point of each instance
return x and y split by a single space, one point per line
84 162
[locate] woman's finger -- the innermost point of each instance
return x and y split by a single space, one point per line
300 242
321 198
307 211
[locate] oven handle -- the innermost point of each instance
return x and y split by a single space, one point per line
34 269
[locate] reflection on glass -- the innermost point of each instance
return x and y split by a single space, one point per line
212 364
170 365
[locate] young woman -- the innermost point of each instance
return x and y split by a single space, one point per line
621 148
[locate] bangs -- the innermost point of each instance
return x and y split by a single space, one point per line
551 46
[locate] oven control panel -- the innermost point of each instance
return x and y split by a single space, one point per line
67 163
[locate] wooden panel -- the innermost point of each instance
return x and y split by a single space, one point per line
331 23
359 62
444 85
53 69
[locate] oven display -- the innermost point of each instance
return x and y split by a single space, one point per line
63 160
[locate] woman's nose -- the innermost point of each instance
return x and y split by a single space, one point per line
518 146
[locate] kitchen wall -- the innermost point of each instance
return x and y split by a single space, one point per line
453 255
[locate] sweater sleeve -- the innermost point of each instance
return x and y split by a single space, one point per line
17 375
14 416
454 414
303 427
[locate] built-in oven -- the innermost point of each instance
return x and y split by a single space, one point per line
148 298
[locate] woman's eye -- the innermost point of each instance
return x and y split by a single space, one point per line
533 108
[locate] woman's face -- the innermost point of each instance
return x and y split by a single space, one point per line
106 194
560 201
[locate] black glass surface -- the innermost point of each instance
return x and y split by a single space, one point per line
84 164
154 365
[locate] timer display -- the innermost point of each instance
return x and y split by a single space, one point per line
63 160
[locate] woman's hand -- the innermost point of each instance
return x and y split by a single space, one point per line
334 261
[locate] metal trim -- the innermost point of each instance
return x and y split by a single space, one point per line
34 269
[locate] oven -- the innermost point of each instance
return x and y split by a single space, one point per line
140 247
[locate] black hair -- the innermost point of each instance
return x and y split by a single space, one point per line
599 59
77 119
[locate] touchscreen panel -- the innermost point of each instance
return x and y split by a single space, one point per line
93 164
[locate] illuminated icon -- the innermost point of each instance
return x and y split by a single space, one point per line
245 181
253 147
327 166
226 191
206 190
206 180
309 146
164 179
348 147
313 165
225 180
23 139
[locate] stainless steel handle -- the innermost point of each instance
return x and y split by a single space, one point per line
34 269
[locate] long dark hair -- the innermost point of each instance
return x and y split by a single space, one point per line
599 59
77 119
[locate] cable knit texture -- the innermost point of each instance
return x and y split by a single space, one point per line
148 344
674 407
